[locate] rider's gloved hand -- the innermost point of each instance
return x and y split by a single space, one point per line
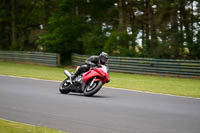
92 65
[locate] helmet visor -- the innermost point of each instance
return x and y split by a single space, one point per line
104 59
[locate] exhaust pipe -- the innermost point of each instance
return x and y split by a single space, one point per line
67 73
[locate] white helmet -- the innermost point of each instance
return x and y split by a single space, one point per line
103 58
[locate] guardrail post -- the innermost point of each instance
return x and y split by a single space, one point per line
58 59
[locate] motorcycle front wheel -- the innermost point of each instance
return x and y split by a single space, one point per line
91 90
65 86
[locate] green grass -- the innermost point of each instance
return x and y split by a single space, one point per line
29 70
165 85
16 127
158 84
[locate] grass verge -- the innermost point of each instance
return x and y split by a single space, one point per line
158 84
16 127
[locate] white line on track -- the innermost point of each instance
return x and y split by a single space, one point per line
105 86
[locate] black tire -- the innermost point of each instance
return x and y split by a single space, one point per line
64 87
90 91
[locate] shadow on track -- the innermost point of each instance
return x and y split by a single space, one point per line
79 94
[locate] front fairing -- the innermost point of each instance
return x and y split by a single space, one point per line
96 72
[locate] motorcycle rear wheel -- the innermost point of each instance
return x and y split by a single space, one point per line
90 91
64 87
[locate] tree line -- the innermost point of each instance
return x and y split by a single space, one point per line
139 28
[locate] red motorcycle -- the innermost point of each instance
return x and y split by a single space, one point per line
89 83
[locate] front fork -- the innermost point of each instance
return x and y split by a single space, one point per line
84 85
92 81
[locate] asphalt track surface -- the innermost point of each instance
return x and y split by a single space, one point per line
39 102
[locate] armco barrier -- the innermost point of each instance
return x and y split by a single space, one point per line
182 68
51 59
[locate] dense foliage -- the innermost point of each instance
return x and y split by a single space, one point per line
142 28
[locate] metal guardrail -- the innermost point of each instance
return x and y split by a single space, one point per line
51 59
180 68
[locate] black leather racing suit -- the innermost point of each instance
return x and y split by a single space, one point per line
91 61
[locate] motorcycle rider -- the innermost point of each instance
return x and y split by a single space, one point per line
92 61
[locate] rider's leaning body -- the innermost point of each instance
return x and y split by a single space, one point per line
92 61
